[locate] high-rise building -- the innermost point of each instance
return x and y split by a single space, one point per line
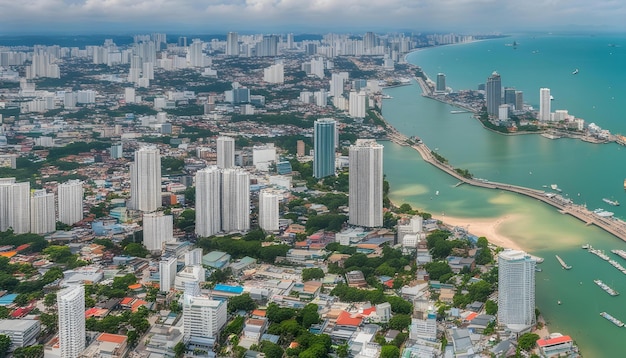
167 273
358 104
274 74
208 201
300 148
145 180
232 44
117 151
129 95
225 152
366 183
516 289
519 100
493 92
268 46
157 229
509 96
202 318
6 185
193 257
337 81
441 82
235 200
42 213
544 104
19 207
71 308
196 58
268 210
70 196
324 147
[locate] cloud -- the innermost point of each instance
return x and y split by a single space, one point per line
319 15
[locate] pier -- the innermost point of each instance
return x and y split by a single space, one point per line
611 225
563 264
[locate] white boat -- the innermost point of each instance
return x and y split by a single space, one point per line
575 72
611 202
437 192
551 98
606 288
603 213
586 246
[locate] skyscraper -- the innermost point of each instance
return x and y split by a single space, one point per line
337 81
167 273
6 185
202 318
71 307
441 82
196 58
509 96
516 289
358 104
519 100
145 180
493 92
225 152
157 229
544 104
235 200
366 183
42 213
208 201
19 207
274 74
232 44
268 210
324 147
70 196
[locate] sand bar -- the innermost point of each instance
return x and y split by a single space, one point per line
483 227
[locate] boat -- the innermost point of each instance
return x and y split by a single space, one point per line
558 302
537 259
624 184
603 213
563 264
611 202
586 246
599 253
538 269
606 288
575 72
437 192
457 112
613 320
386 96
620 253
551 98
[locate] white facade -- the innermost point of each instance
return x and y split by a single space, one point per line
196 58
268 211
19 207
516 289
157 229
71 307
6 185
232 44
145 180
193 257
235 200
503 112
358 104
274 73
167 273
203 317
544 104
189 275
70 196
337 81
263 154
225 152
366 183
129 95
42 214
208 201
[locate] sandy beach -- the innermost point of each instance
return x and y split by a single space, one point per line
483 227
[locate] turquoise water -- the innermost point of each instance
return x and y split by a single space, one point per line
586 172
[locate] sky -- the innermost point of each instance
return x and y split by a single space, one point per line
318 16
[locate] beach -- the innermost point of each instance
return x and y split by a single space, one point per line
484 227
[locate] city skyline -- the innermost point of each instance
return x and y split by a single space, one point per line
63 16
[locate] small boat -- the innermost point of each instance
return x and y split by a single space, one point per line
586 246
624 184
611 202
437 192
558 302
575 72
551 98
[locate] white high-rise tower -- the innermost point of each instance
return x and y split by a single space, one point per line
366 183
202 317
268 211
42 214
6 185
544 104
157 229
70 196
145 180
225 152
232 44
19 207
71 306
235 200
516 289
208 201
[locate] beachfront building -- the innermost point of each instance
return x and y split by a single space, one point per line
493 93
366 183
324 132
544 104
516 290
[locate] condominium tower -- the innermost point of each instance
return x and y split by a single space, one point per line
235 200
42 214
366 183
516 289
493 93
225 152
18 204
232 44
145 180
208 201
202 318
157 229
268 210
71 308
70 196
544 104
324 132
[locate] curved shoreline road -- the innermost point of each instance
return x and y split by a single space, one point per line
613 226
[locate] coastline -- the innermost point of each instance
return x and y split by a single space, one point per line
487 227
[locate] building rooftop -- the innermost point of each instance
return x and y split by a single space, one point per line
553 341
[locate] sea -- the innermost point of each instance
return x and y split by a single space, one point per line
585 172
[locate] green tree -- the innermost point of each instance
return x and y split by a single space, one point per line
4 312
312 274
342 351
5 344
527 341
400 322
389 352
491 307
309 316
241 302
271 350
136 249
35 351
180 349
479 291
437 269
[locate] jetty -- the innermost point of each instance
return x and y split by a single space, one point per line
563 264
